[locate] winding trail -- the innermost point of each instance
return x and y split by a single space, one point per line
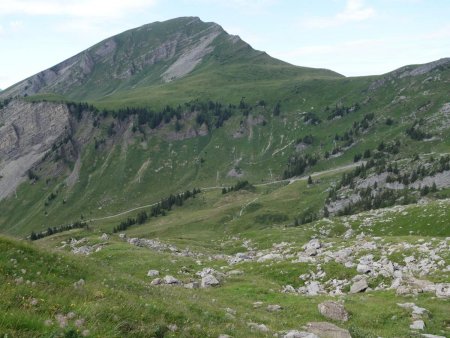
289 181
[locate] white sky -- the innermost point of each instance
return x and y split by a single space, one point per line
352 37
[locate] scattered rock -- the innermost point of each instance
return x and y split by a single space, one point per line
328 330
359 286
192 285
156 281
104 237
333 310
257 304
270 257
443 290
274 308
417 325
426 335
170 280
209 280
173 327
258 327
152 273
79 284
299 334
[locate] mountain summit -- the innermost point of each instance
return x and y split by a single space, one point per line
152 54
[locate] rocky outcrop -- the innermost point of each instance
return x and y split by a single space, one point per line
27 132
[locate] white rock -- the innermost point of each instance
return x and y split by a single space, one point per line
152 273
443 290
209 280
359 286
299 334
271 256
417 325
258 327
363 268
156 281
170 280
273 308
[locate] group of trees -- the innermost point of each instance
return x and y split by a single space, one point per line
415 133
240 185
5 102
341 110
298 163
159 209
54 230
311 118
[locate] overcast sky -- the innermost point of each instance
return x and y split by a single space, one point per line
352 37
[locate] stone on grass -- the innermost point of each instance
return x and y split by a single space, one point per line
417 325
443 290
359 286
79 284
273 307
152 273
192 285
299 334
258 327
156 281
333 310
209 280
170 280
328 330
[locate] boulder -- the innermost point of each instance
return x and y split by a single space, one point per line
417 325
258 327
273 308
359 286
327 330
363 268
209 280
312 244
299 334
156 281
313 289
443 290
333 310
104 237
152 273
270 257
192 285
170 280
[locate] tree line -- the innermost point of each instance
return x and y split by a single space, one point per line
160 209
54 230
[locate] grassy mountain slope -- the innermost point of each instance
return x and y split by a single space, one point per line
151 56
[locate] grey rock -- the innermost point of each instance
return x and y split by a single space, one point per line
270 257
209 280
417 325
156 281
192 285
443 290
359 286
152 273
333 310
258 327
104 237
299 334
273 308
327 330
170 280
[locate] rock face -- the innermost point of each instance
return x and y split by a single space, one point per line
27 132
159 51
333 310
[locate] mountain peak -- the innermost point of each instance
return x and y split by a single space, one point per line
152 54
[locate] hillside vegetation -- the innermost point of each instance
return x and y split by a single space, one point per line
172 181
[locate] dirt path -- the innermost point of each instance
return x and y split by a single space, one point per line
289 180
